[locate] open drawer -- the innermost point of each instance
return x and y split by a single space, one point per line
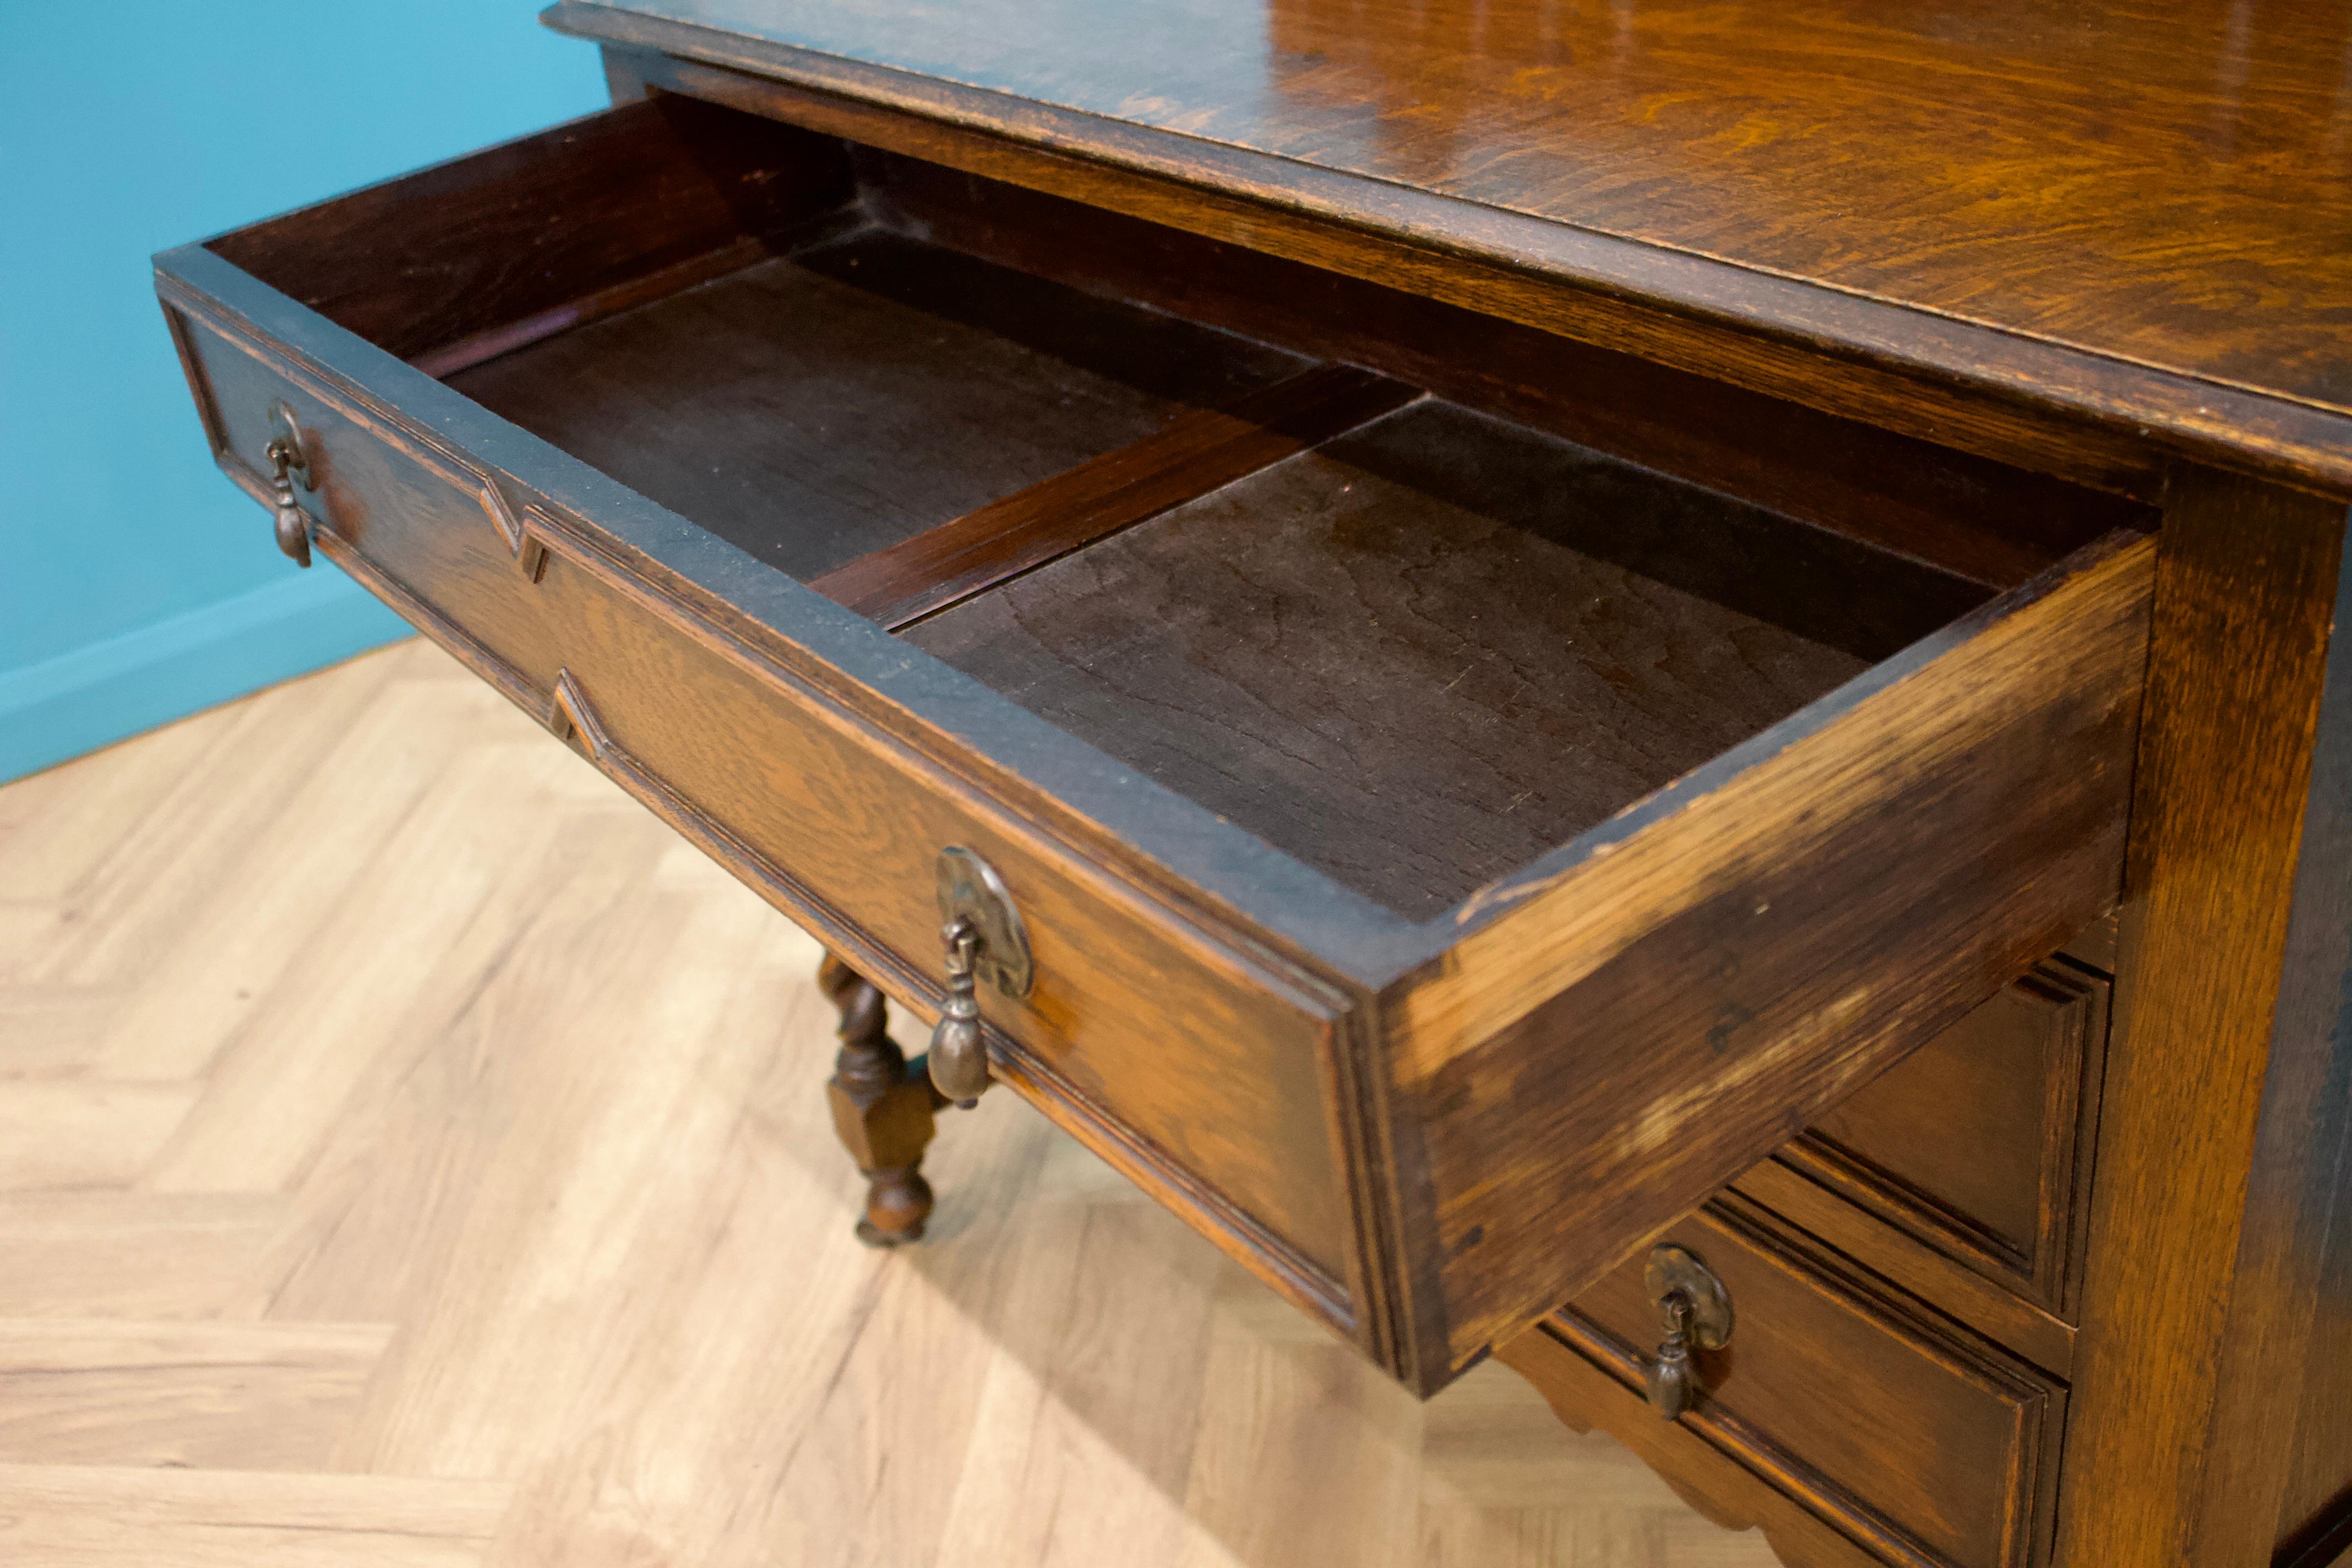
1468 795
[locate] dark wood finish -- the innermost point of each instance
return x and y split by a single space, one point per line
2329 1546
1622 315
1365 946
1975 1142
1460 145
1432 650
1987 521
532 231
2096 948
491 343
1583 119
1335 1153
827 765
1194 454
838 824
2226 1100
814 409
1994 524
1916 1440
1681 992
2315 1515
847 837
882 1111
1556 830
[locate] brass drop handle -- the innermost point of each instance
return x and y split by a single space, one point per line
959 1058
985 940
1695 1313
1673 1385
287 461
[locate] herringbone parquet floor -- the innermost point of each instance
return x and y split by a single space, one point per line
411 1154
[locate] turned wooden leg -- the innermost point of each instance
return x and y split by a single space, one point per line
882 1111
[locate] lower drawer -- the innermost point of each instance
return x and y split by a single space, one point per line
1976 1144
1911 1438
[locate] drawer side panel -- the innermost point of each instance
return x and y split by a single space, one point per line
1720 965
466 249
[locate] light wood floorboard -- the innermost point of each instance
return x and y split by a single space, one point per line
412 1153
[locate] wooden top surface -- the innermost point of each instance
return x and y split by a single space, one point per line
2163 188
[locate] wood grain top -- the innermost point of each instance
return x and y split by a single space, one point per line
2147 189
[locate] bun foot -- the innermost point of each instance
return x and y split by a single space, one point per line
897 1204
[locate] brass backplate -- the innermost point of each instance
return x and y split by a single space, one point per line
1674 1269
970 889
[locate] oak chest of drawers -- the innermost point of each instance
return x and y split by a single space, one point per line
1559 783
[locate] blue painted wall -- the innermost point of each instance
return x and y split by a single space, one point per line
137 584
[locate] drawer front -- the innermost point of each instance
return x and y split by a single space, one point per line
1973 1144
1201 1073
1913 1437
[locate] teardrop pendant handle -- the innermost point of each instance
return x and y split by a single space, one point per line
959 1057
287 462
1669 1380
985 940
1694 1310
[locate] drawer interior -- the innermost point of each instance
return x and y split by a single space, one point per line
1427 651
1411 593
813 407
